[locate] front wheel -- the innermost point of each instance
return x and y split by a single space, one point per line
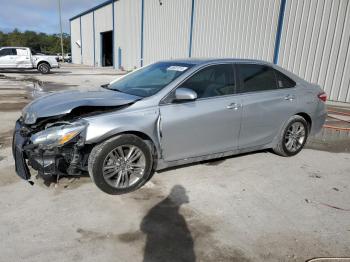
44 68
121 164
293 137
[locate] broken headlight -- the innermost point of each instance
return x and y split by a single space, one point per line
29 117
58 135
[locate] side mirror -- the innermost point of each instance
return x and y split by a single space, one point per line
185 94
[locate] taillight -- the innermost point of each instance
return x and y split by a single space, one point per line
322 96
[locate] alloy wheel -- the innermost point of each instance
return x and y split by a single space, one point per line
124 166
295 137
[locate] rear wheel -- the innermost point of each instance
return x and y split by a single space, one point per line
44 68
121 164
293 137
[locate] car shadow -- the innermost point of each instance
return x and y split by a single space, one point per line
168 237
215 161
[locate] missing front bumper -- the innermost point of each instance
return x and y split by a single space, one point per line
57 161
43 163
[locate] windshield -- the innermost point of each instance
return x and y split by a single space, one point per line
149 80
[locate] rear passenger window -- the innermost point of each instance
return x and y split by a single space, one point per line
8 51
257 78
284 81
12 51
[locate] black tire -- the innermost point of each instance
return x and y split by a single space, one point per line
281 148
99 154
44 68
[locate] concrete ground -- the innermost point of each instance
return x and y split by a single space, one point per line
251 207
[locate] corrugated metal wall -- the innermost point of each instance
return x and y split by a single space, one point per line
235 28
127 33
87 39
166 29
103 23
75 36
315 44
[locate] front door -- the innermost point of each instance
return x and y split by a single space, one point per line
8 58
207 125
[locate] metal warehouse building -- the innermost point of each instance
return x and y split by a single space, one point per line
307 37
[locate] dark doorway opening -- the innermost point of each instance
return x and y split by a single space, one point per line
107 48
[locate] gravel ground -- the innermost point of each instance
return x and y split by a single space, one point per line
251 207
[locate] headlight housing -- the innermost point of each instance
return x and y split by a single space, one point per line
29 117
58 135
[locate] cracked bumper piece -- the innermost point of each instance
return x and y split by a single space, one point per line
19 141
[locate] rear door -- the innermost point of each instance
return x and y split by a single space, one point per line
267 104
207 125
23 58
8 58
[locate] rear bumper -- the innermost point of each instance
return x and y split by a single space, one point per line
318 122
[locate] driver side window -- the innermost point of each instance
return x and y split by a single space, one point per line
215 80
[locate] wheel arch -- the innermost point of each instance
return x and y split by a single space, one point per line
303 115
148 139
307 117
43 62
96 160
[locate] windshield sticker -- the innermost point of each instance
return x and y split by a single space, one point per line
177 68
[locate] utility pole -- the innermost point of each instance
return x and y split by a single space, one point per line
59 11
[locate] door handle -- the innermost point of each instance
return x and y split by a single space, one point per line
289 97
233 106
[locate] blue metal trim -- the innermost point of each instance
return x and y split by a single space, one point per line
81 44
113 56
191 29
279 31
92 9
71 46
101 62
94 36
142 24
119 57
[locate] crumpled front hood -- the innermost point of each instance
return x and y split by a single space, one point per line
63 103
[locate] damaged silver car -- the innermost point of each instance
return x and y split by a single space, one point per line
167 114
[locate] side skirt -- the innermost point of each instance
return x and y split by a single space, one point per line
162 164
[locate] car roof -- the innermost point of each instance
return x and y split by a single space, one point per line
199 61
1 47
204 61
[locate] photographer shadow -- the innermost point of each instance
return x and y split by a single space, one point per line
167 235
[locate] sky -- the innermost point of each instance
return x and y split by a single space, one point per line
40 15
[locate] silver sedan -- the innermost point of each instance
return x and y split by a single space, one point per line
166 114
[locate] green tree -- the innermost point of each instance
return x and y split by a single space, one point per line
38 42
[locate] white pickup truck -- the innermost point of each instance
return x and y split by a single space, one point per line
22 58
